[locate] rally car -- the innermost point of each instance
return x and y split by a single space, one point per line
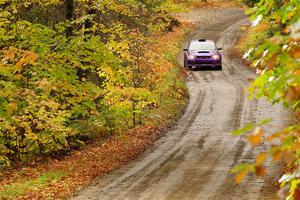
202 54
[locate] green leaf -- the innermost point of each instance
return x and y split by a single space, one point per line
243 130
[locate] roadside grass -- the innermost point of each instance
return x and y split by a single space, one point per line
216 3
19 188
252 37
197 4
172 79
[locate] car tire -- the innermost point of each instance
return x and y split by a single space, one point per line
185 64
219 67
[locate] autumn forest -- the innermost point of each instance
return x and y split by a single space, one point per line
96 87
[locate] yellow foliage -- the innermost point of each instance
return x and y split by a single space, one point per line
261 158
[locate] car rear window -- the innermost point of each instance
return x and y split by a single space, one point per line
196 46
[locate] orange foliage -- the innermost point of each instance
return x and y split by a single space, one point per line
98 160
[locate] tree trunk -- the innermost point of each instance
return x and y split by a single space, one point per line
69 16
88 22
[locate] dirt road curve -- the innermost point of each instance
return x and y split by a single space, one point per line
194 160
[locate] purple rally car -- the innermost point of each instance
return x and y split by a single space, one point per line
202 53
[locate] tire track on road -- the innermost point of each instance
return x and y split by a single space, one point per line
194 160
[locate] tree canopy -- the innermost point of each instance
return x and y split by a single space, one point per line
77 69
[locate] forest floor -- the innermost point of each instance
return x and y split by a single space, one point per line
194 160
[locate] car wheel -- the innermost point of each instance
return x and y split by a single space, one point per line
219 67
185 64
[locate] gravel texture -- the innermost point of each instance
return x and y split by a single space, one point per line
194 160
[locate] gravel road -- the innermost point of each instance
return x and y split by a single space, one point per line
193 161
